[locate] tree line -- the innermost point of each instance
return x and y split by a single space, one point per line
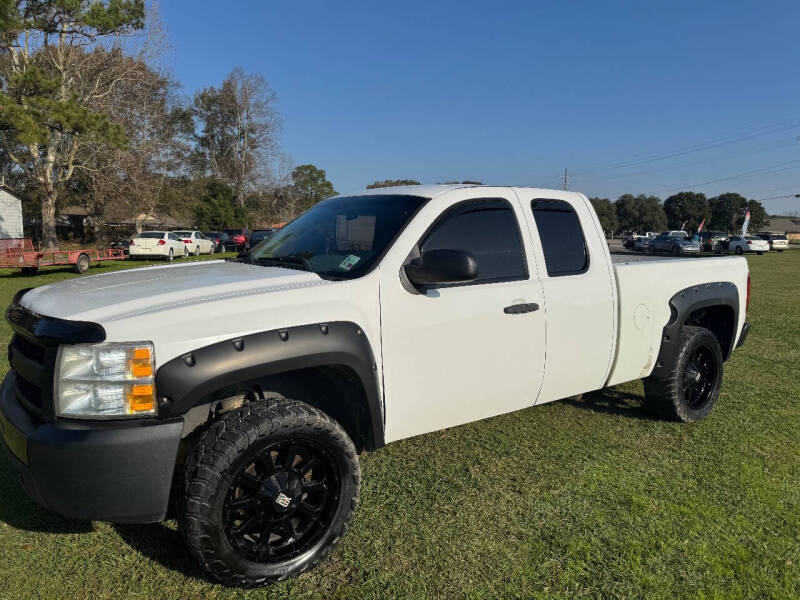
88 118
684 210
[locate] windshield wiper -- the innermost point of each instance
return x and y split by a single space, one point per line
291 261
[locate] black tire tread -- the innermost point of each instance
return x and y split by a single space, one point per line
662 395
218 448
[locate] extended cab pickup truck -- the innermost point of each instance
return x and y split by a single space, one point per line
237 395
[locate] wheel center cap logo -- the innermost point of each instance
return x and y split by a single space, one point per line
283 500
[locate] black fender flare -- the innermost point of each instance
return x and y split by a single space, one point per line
682 305
192 378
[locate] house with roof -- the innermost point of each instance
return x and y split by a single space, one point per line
10 213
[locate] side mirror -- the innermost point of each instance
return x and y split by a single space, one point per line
439 267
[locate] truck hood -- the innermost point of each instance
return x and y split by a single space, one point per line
133 292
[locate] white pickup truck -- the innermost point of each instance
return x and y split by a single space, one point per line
238 394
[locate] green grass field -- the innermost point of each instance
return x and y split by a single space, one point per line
572 499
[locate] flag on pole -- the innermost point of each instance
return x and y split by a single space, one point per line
700 227
746 223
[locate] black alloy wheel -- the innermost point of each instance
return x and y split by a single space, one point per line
688 388
268 491
281 501
699 377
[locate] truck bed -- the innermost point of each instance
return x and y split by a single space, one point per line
645 283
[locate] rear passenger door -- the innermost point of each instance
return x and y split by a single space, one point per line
462 352
579 291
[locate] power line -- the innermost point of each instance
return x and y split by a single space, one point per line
773 169
682 165
739 135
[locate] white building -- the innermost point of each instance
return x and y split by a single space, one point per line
10 214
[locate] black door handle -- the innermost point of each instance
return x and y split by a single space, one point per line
518 309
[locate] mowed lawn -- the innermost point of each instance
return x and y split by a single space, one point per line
568 500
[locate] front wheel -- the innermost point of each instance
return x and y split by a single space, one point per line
691 387
738 250
268 492
197 250
651 249
676 250
211 250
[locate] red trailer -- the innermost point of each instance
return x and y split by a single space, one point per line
18 253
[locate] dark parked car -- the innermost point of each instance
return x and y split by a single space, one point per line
123 245
219 238
238 239
259 235
713 241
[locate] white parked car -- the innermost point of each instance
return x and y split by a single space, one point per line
244 390
748 243
157 244
196 242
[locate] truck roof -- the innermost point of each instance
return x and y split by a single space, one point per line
432 190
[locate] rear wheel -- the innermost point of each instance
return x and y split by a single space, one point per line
197 250
738 250
185 252
268 492
676 250
651 249
759 253
780 250
691 387
211 251
171 255
82 264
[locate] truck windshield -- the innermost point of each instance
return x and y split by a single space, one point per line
339 238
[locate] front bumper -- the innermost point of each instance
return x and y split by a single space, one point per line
118 471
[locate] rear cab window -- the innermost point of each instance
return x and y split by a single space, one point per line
561 236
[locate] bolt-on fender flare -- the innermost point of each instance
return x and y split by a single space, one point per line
687 302
193 378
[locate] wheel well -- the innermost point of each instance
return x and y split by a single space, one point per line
336 390
720 320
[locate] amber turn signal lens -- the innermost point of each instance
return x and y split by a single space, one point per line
141 398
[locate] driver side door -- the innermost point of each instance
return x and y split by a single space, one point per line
461 352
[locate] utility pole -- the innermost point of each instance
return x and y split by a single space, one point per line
565 179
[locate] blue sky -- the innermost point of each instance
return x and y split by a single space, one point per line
514 92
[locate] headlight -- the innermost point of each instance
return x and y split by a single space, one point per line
105 380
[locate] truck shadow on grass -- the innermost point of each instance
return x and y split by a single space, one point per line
612 401
163 545
20 512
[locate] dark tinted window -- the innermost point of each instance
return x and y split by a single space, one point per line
487 229
154 235
562 237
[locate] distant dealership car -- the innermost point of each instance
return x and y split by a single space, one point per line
238 239
713 241
219 238
776 241
196 242
676 242
259 235
749 243
163 244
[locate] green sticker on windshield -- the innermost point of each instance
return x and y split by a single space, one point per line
349 262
